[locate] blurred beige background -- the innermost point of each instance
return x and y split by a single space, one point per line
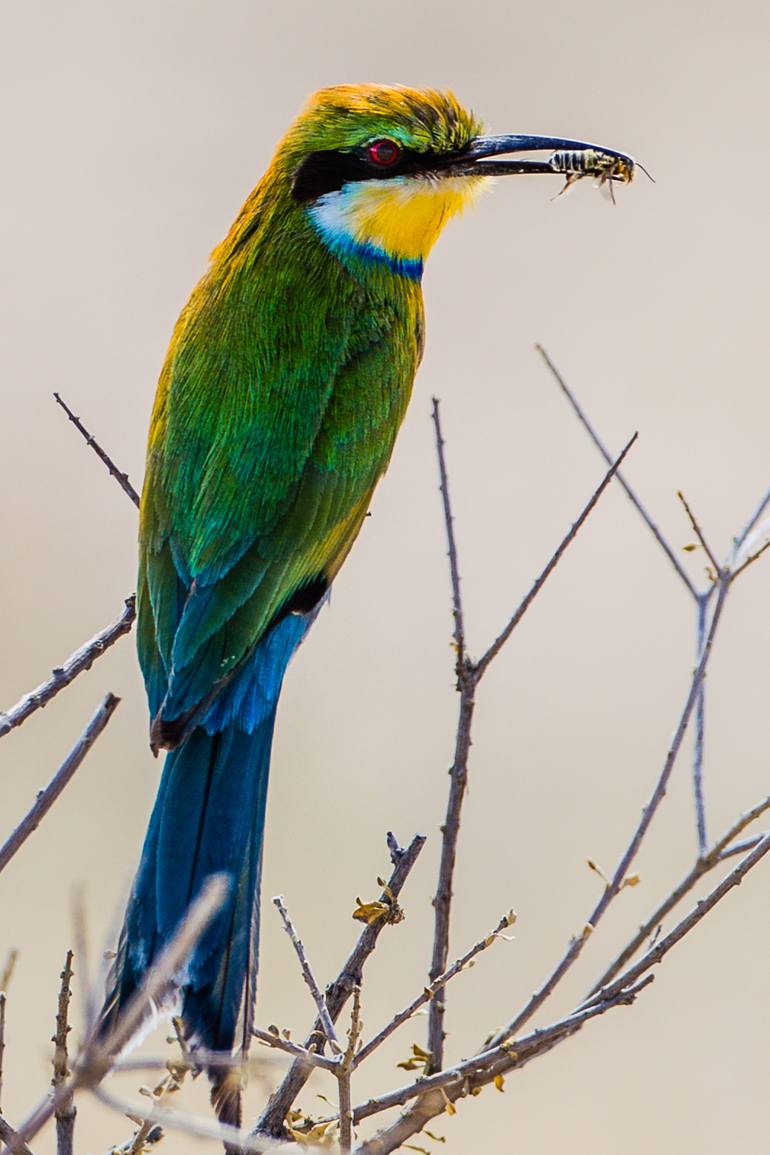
131 134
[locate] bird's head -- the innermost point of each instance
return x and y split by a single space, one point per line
369 164
380 169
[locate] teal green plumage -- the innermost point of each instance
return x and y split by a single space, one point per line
281 399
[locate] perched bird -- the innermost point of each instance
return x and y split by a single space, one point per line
287 378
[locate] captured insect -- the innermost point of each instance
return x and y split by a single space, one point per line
604 167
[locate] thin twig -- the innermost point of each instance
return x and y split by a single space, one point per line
5 979
66 1109
61 778
442 902
517 1052
435 988
8 968
344 1072
77 663
3 999
700 536
98 1055
153 1135
648 813
749 561
722 846
751 523
121 478
149 1131
196 1060
13 1141
641 510
700 731
484 662
719 851
741 847
271 1121
279 1043
89 991
308 976
469 675
661 948
454 571
234 1139
481 1069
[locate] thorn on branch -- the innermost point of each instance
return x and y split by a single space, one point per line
92 443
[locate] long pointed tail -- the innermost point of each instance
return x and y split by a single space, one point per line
208 818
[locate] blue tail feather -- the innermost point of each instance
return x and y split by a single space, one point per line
208 819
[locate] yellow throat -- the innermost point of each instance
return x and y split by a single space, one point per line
399 218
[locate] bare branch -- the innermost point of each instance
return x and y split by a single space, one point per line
13 1141
719 851
700 729
641 510
5 979
484 662
661 948
195 1061
308 976
99 1054
435 988
751 523
338 992
454 570
442 902
740 824
3 1000
149 1132
616 883
468 679
112 469
8 968
700 536
741 847
279 1043
749 561
234 1139
344 1072
66 1110
475 1072
61 778
77 663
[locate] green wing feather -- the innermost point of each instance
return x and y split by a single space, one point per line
277 413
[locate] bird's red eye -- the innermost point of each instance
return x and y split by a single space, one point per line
383 153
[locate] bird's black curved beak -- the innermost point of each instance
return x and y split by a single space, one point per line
482 155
